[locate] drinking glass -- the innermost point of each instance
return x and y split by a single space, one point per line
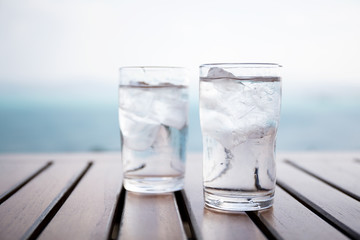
153 108
239 116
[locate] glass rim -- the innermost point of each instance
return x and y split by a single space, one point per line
151 67
241 65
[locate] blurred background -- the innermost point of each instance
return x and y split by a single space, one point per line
59 65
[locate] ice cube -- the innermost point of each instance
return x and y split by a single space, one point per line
263 95
216 72
169 107
137 100
139 133
237 109
218 161
221 127
224 103
226 164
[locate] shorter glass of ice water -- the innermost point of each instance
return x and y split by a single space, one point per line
153 109
239 115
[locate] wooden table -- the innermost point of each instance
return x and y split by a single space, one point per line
80 196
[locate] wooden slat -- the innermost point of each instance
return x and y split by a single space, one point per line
76 218
218 225
28 205
209 224
291 220
88 212
151 217
341 173
336 207
16 174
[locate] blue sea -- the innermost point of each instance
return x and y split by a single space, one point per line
77 121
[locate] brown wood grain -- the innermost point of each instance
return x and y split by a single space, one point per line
88 212
335 205
208 223
148 216
14 173
20 212
291 220
342 173
217 225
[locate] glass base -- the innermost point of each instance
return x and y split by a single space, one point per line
154 184
239 203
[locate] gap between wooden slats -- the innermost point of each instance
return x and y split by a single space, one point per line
181 207
341 174
46 216
28 209
188 225
89 211
289 219
114 227
336 208
16 176
147 216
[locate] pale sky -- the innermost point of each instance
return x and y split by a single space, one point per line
44 41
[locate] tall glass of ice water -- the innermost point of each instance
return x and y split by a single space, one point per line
239 115
153 111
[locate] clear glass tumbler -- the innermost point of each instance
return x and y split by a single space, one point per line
153 109
239 115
